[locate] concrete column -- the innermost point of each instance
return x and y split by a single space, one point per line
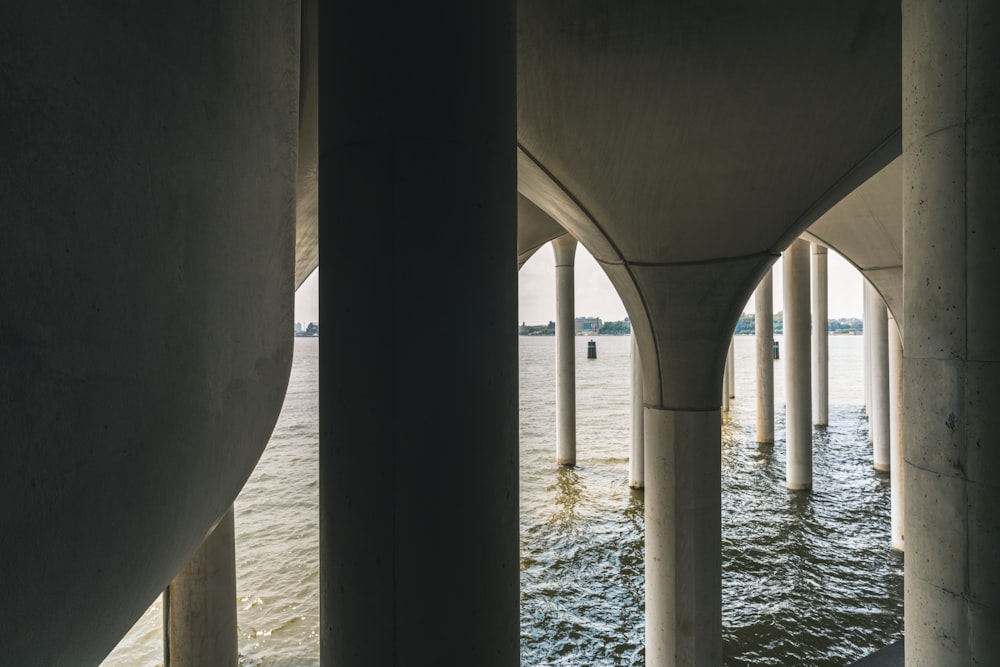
731 369
418 488
199 604
866 318
878 423
725 388
764 325
951 251
798 419
146 297
636 474
683 539
564 248
896 433
821 344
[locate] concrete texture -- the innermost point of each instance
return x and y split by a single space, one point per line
877 331
731 370
147 265
798 403
199 605
636 461
155 189
820 336
896 435
866 228
564 248
764 328
683 538
951 352
418 103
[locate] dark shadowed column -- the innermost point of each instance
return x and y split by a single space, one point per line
418 416
147 255
951 346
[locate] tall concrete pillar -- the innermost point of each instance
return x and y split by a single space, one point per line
683 538
564 248
896 496
689 311
764 326
731 368
418 488
725 388
951 347
867 371
636 476
199 604
878 422
798 417
821 344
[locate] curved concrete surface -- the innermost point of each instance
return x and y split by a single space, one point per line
672 135
307 180
147 265
866 228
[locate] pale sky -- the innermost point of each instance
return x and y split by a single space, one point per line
595 296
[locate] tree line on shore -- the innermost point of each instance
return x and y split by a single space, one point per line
746 326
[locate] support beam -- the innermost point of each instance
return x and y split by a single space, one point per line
896 453
407 97
821 344
683 346
731 368
725 388
951 347
867 370
878 424
798 419
564 248
683 498
636 476
199 604
764 326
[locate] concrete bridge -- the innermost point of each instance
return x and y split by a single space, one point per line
161 199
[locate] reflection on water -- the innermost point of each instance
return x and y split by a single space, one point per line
808 578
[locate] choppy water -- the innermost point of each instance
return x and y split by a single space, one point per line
807 580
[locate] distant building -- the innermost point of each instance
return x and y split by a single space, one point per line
587 326
298 328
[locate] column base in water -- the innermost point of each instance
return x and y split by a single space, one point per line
683 537
199 604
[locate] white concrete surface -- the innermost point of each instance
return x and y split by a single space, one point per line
797 357
564 248
764 327
820 336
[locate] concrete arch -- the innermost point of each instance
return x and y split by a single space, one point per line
866 229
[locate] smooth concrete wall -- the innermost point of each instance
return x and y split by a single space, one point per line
564 249
951 246
199 605
147 266
764 327
798 404
418 440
